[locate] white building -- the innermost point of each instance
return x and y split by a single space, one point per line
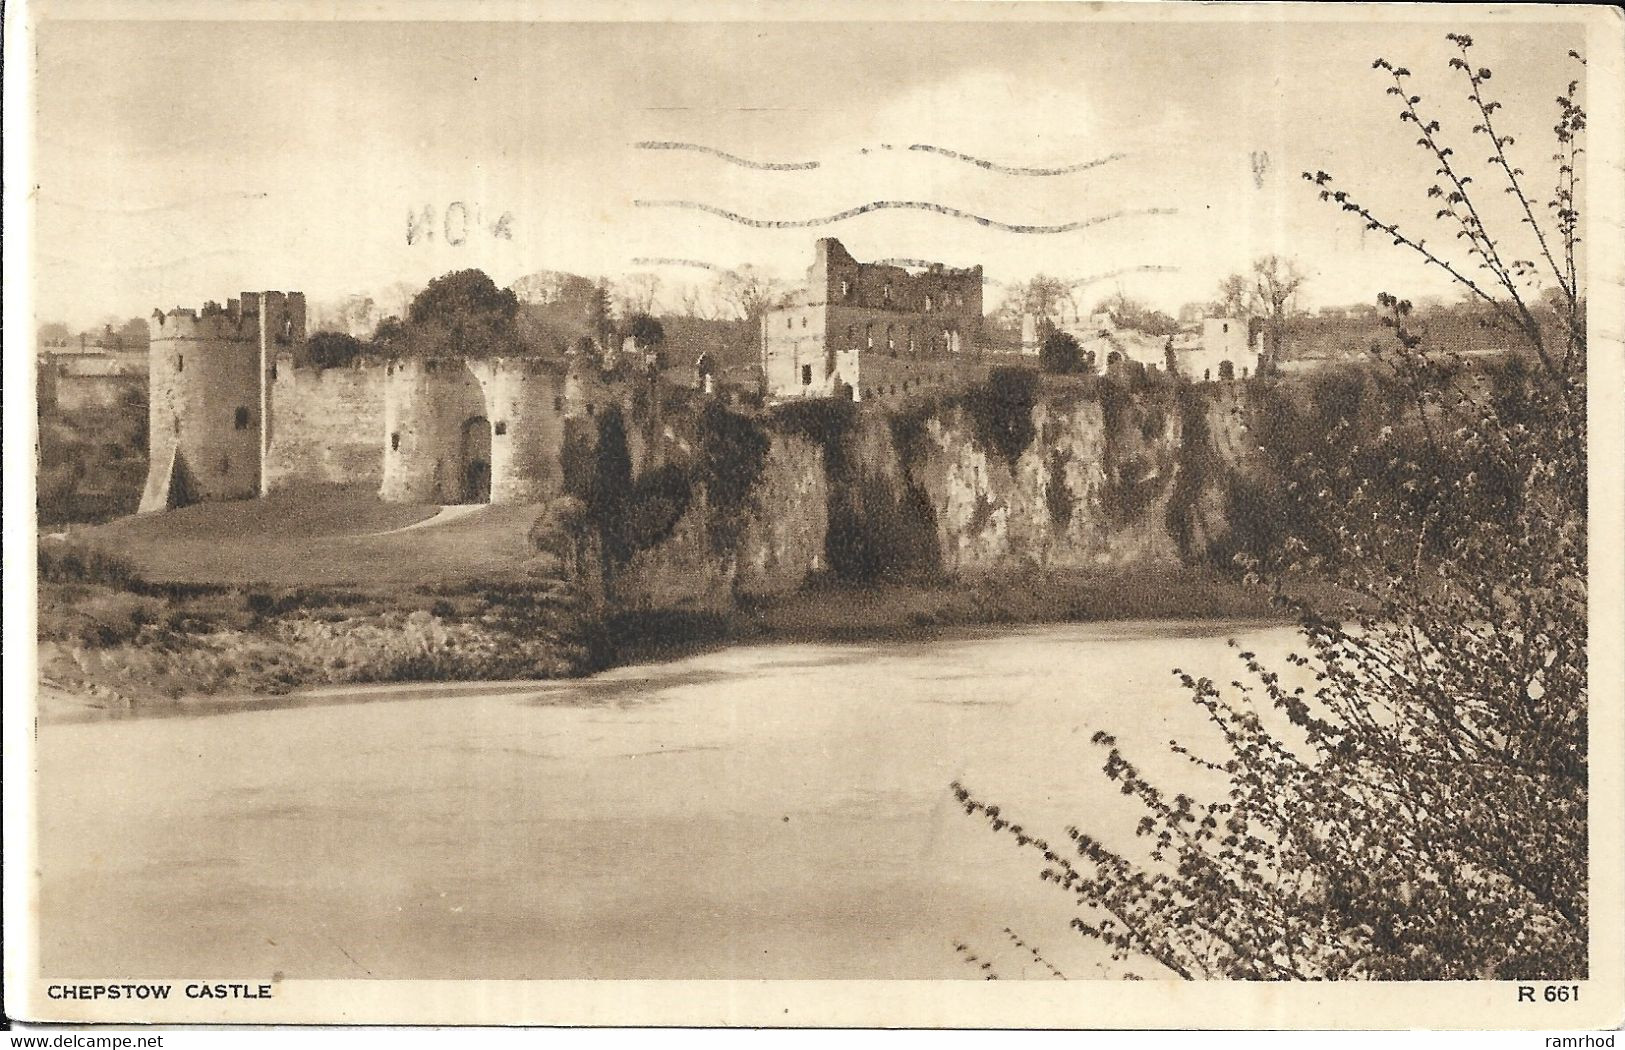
1225 348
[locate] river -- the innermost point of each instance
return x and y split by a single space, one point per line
772 811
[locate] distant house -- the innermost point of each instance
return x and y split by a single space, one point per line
1101 342
1226 348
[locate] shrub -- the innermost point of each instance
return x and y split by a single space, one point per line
1001 411
1057 494
76 563
657 502
328 350
1060 353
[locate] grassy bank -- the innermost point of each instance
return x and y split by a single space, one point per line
837 611
113 640
201 607
318 536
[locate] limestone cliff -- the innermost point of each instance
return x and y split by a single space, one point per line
1062 475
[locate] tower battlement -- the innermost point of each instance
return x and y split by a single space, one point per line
279 315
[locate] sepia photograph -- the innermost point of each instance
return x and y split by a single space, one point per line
746 515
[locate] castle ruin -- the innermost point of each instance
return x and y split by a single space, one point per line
872 331
235 413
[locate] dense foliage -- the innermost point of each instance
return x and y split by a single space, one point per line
328 350
1417 808
462 314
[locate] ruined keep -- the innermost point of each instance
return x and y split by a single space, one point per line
873 331
210 414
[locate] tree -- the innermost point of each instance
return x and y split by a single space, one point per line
1132 313
463 314
1235 298
329 350
55 334
693 300
1420 813
390 338
1060 352
747 292
1040 296
600 315
636 294
645 331
135 334
1275 282
353 314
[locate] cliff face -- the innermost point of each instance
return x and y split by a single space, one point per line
1065 477
705 562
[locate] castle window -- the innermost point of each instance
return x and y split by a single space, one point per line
591 408
928 304
395 441
806 375
886 292
273 373
911 339
1244 371
869 336
239 419
558 404
501 427
287 331
1207 373
789 322
891 340
803 322
846 289
180 362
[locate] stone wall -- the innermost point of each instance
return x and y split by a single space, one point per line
429 406
327 425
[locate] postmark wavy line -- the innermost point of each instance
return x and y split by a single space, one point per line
872 206
698 264
1011 169
1146 268
759 165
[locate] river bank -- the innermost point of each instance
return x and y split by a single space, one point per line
116 646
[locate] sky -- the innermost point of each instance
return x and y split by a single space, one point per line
180 162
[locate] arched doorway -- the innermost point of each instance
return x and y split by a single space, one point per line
1227 370
475 472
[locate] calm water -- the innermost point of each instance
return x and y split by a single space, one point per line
771 811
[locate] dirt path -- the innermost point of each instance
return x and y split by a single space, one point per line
444 516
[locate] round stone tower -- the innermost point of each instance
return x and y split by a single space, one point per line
437 433
525 398
209 416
